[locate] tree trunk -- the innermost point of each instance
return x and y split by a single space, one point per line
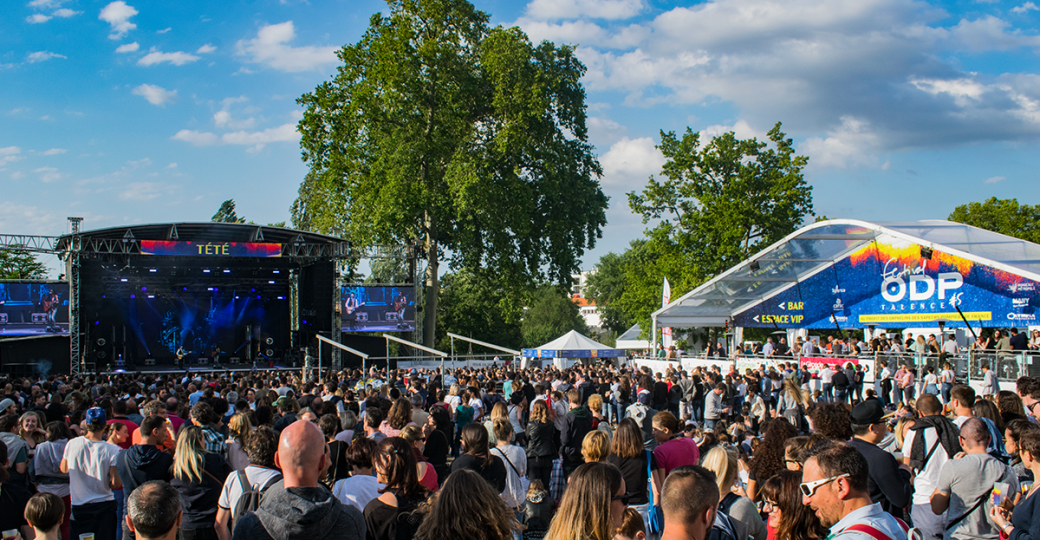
432 284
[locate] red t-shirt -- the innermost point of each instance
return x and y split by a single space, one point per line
676 453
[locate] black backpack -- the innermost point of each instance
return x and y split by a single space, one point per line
249 501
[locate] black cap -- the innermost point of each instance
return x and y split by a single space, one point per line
868 412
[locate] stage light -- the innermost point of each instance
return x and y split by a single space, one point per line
144 288
133 296
277 272
184 288
124 280
206 271
281 298
97 323
151 296
152 270
252 290
270 283
258 297
227 271
210 289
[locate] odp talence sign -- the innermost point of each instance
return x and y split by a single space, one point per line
889 283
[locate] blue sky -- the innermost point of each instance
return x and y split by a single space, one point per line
139 111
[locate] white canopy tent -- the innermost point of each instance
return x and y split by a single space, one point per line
571 346
631 340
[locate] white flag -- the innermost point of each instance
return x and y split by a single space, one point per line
666 297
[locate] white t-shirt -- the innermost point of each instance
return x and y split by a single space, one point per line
90 464
928 479
232 490
357 490
826 375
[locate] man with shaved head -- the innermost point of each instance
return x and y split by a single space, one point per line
966 482
300 509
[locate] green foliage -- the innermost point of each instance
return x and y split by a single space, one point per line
226 213
20 264
473 305
552 314
389 271
469 138
1004 216
720 202
607 284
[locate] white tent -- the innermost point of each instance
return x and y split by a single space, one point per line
631 340
570 346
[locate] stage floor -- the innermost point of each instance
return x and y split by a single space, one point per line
28 329
223 368
379 326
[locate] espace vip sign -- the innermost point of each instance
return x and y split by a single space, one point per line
888 283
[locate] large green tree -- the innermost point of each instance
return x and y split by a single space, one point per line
475 305
226 213
20 264
607 283
721 201
1005 216
552 313
468 139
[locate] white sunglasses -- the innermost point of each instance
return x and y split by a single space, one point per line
808 488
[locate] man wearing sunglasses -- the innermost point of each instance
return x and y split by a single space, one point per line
835 487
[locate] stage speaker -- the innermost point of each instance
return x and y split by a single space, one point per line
269 353
391 315
39 318
3 318
362 316
149 361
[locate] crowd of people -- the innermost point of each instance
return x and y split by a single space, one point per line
594 452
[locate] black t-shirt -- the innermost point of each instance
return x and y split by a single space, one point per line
436 449
199 501
494 472
386 522
633 470
12 506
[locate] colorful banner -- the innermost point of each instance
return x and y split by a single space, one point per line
893 283
209 249
666 298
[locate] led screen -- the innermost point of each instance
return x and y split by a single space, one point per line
34 308
378 309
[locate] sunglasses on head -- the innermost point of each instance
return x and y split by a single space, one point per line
809 488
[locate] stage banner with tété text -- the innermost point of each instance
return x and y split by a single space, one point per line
210 249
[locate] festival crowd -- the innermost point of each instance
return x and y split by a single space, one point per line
594 452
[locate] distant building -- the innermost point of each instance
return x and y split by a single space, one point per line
589 310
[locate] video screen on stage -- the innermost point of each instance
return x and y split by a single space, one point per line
377 309
34 308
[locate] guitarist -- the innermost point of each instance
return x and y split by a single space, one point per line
351 305
50 303
400 303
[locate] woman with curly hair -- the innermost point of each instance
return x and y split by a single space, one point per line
1010 405
769 459
593 507
832 421
789 519
400 415
467 508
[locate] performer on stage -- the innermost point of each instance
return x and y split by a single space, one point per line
400 303
50 302
216 356
350 306
181 353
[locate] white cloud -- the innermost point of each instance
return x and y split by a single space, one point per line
17 175
48 174
171 166
10 154
223 119
37 18
741 130
156 95
1025 8
53 152
257 139
994 179
46 4
196 138
26 219
629 162
852 144
599 9
164 30
42 56
207 48
176 58
584 33
270 47
66 13
118 15
128 47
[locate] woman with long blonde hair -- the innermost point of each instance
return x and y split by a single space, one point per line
467 508
499 412
723 462
593 507
31 431
541 443
199 477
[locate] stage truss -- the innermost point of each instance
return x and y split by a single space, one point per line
73 247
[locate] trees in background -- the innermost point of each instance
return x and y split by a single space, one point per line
20 264
467 139
551 314
1005 216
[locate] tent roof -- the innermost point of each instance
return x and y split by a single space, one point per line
632 333
573 341
818 246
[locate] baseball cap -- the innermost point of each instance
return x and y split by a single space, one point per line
282 402
644 398
867 412
96 415
6 404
